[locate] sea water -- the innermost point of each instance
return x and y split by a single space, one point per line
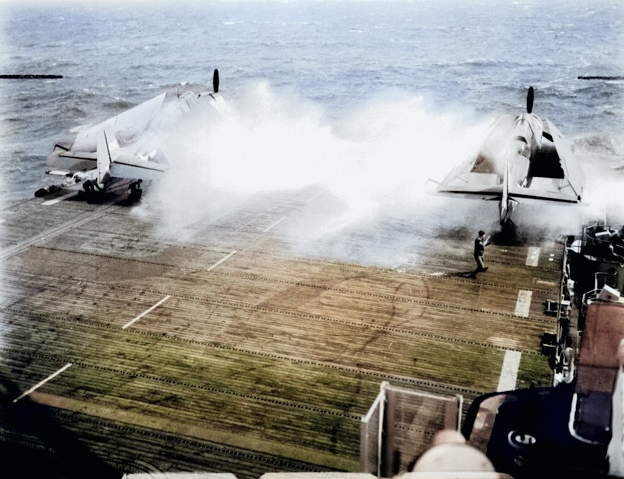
367 98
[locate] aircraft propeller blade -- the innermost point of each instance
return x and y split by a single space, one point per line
215 81
530 95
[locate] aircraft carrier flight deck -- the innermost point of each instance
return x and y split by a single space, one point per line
229 352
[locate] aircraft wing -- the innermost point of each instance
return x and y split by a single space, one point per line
543 190
130 145
481 175
540 190
126 126
474 177
81 153
472 185
486 186
482 172
63 159
574 182
566 189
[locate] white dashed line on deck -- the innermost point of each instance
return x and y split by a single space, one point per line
59 199
274 224
315 197
41 383
221 261
509 371
127 325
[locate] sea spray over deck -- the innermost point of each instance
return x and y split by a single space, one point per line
603 189
371 165
378 155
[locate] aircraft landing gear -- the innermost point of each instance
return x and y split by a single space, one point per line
135 191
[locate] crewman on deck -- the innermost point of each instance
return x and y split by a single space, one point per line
480 243
135 191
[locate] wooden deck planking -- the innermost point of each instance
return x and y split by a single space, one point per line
382 314
268 345
377 284
244 316
25 220
354 344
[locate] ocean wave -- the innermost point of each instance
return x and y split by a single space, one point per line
330 56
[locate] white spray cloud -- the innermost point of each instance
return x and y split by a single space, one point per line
372 162
381 152
604 183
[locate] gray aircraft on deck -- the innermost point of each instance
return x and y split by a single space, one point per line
128 147
522 158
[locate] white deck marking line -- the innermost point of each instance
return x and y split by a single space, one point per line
59 199
274 224
41 383
146 312
524 303
2 221
221 261
533 256
509 371
315 197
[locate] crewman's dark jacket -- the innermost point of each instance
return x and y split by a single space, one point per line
479 247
